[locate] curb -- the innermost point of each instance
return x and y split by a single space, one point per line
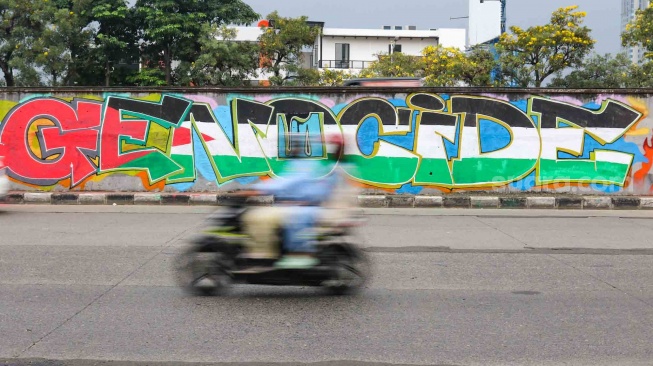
369 201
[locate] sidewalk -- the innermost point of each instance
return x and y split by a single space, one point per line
373 201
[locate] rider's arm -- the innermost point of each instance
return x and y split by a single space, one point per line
272 186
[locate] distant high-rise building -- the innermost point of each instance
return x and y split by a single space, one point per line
628 10
484 21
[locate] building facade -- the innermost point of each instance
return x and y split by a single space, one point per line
484 21
352 50
628 10
355 49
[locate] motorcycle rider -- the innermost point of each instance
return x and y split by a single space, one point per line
302 195
341 205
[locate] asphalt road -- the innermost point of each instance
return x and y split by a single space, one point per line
93 286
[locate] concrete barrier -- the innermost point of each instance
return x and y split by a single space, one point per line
371 201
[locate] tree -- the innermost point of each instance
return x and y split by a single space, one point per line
52 54
442 66
641 76
326 77
306 77
394 65
148 75
639 32
27 75
75 24
329 77
115 40
478 68
64 40
222 61
21 22
530 56
172 28
604 71
281 46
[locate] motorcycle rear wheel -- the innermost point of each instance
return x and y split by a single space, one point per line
350 272
200 272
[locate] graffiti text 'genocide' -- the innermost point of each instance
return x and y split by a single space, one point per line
450 141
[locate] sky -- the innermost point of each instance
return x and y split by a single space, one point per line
603 16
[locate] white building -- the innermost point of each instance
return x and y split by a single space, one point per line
353 49
484 21
628 10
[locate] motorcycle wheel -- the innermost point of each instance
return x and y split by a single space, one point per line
201 273
350 273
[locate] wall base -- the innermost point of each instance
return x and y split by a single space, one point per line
384 201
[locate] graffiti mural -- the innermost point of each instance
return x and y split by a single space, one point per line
404 142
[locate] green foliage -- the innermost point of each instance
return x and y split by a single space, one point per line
641 76
605 71
306 77
115 40
222 61
326 77
439 66
26 75
529 56
477 67
64 40
639 32
91 42
394 65
331 77
67 45
442 66
99 42
281 46
173 28
148 76
22 23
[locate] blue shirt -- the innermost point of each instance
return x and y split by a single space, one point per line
301 184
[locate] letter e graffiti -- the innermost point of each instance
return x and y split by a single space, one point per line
566 131
127 140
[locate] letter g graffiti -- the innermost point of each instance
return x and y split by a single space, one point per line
49 140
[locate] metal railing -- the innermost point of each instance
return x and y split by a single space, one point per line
343 64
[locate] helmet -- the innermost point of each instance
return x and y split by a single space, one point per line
335 145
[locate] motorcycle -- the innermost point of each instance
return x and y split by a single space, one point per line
223 256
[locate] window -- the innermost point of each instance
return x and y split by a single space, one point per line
342 55
397 48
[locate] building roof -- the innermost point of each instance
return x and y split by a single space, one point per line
390 33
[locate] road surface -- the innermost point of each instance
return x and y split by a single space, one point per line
92 285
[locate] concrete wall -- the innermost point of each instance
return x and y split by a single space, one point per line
405 141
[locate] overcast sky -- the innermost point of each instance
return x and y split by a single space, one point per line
603 16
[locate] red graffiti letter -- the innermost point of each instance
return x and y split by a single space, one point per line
72 139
